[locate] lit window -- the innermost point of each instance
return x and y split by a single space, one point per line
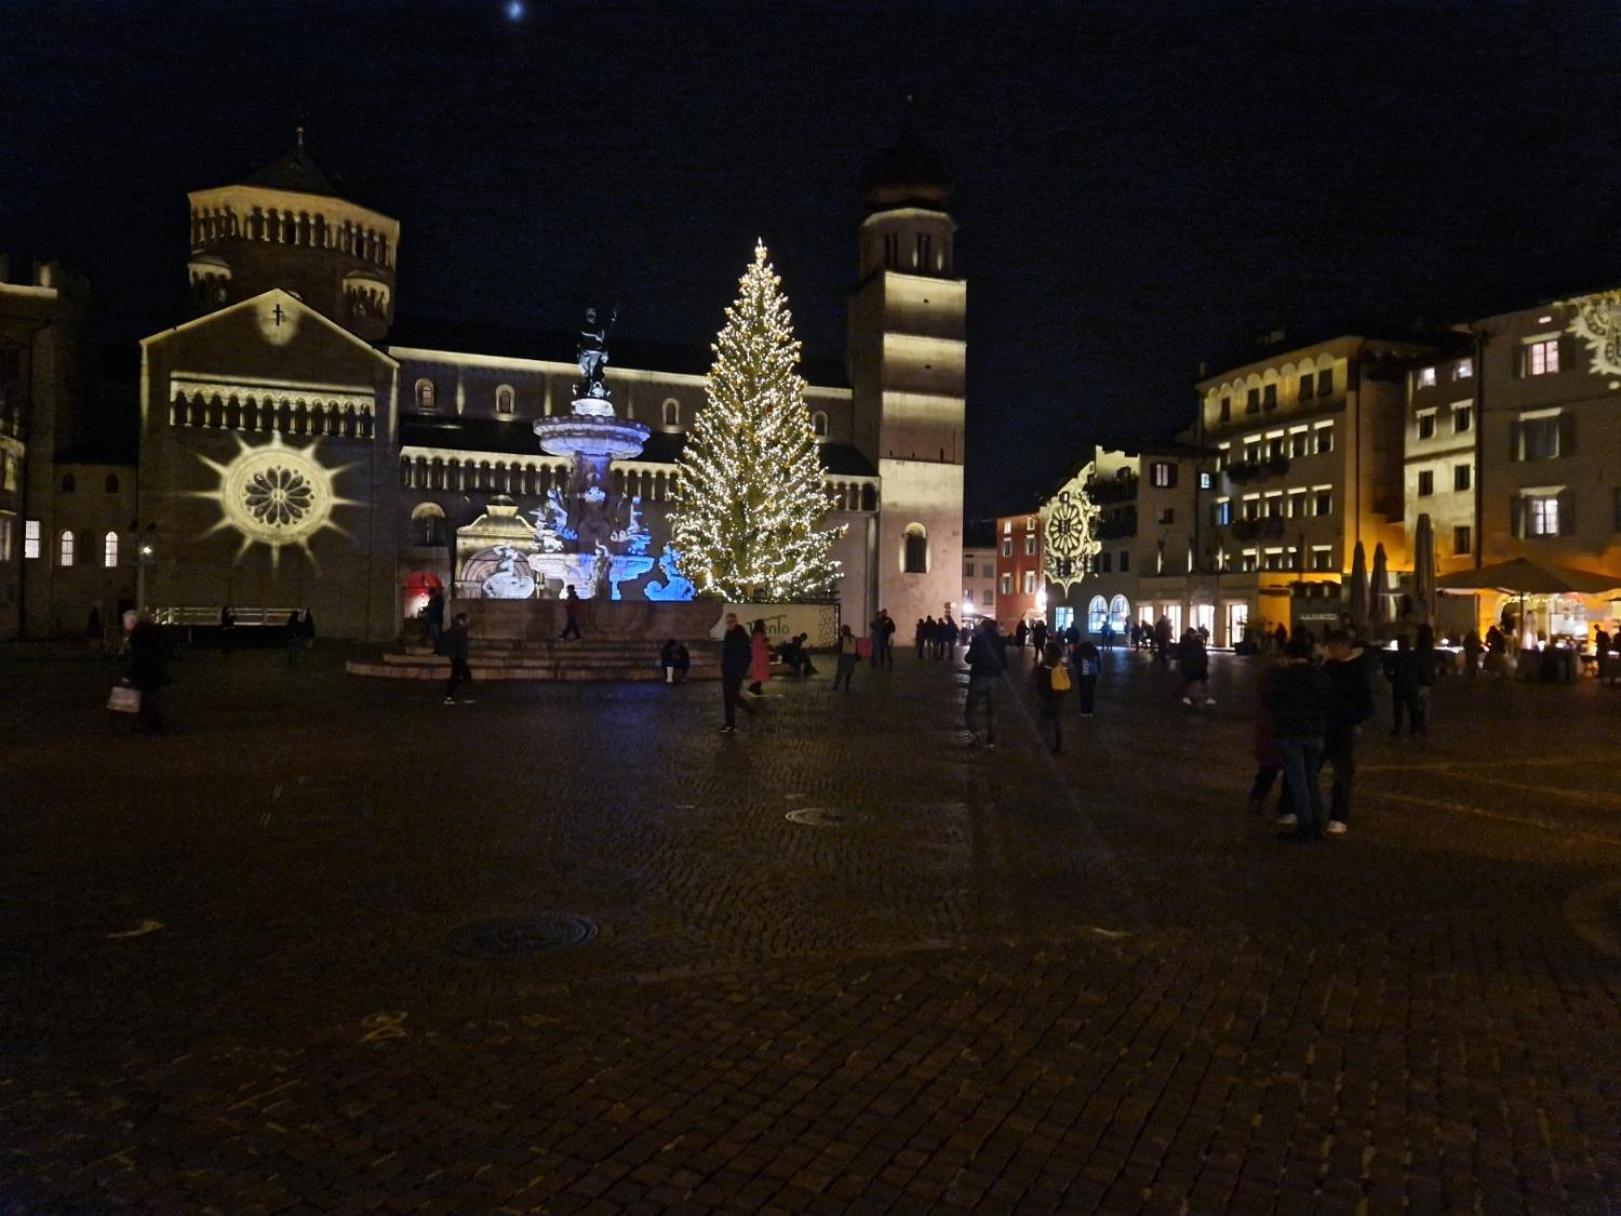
1007 547
819 424
1542 358
424 394
1029 546
1542 515
1325 440
1426 425
1250 562
1029 582
1007 526
1463 476
1206 481
503 399
1426 377
1463 369
1007 584
1162 473
31 538
1462 541
1426 483
1463 417
915 556
109 550
5 538
1221 514
65 550
1322 557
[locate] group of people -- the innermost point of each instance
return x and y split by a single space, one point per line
936 639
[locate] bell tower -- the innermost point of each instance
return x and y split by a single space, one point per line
907 351
286 226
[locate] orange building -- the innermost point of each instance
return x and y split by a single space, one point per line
1019 592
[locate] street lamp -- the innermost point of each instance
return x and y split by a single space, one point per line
144 558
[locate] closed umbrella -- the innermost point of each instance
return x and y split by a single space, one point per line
1359 587
1378 601
1424 569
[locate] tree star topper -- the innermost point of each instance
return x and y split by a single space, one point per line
1069 523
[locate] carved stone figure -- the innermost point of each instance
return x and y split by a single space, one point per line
593 356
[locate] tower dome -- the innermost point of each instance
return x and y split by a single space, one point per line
908 173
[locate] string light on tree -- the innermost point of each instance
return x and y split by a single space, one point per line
750 497
1069 525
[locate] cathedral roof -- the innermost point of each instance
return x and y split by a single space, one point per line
907 173
296 172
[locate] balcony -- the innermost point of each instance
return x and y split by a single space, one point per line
1112 489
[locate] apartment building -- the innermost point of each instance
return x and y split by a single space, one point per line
1441 474
978 573
1020 595
1309 462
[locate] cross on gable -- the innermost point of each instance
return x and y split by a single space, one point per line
278 315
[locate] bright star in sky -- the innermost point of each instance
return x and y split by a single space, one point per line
514 10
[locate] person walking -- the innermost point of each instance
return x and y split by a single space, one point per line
148 670
1405 680
571 613
295 638
1052 686
1038 639
759 659
1347 671
456 648
735 656
849 656
1194 661
1299 701
986 661
1021 632
227 631
1086 663
1162 641
949 634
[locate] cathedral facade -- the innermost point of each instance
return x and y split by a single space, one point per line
302 448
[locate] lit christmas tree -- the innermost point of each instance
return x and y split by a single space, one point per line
750 498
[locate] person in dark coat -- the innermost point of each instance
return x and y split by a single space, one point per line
1162 640
1194 661
986 663
571 613
849 656
1086 664
295 638
1052 686
1021 631
1347 671
148 670
1038 638
1299 701
736 654
436 620
1405 673
675 661
1472 648
456 648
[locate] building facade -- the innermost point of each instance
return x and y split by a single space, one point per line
978 583
1020 590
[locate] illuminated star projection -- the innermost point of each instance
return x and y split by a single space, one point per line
275 495
1069 522
1597 322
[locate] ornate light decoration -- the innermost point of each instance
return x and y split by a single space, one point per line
1069 521
1596 320
275 495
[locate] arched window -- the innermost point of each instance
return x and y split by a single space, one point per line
427 524
64 552
1120 614
672 412
70 483
110 486
1097 614
915 559
109 550
424 394
503 399
819 424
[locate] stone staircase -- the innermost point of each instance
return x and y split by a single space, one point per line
605 659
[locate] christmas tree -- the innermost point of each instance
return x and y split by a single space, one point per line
749 497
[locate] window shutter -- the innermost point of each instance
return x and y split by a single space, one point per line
1517 359
1567 353
1514 429
1567 513
1567 434
1516 516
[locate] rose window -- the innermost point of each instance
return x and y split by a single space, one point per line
278 497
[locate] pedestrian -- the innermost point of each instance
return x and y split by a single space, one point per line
1299 701
1162 640
1086 664
1268 756
1347 671
1402 670
227 631
886 637
675 661
1021 631
1038 638
759 659
986 662
875 638
148 670
456 648
436 619
1072 637
306 629
1280 638
849 656
735 657
920 636
295 638
1052 685
1471 653
571 614
1194 661
949 635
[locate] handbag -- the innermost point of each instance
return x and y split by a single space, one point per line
125 698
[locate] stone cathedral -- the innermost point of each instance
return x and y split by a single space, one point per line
299 448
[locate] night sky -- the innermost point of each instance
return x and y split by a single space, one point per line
1139 187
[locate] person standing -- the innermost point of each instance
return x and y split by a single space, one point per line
759 659
920 636
1299 701
456 648
849 656
436 620
1038 639
1405 681
1086 664
1021 631
1052 686
1162 641
986 663
148 670
949 633
1471 653
227 631
886 636
1352 705
295 638
571 613
1194 661
735 656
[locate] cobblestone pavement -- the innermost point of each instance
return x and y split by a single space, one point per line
989 981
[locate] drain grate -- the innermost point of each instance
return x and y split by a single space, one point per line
822 816
519 936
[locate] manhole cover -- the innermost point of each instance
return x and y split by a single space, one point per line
822 816
547 933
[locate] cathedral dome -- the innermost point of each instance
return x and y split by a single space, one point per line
908 173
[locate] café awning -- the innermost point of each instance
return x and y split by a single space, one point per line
1525 577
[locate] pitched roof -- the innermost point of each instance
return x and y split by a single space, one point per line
296 172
